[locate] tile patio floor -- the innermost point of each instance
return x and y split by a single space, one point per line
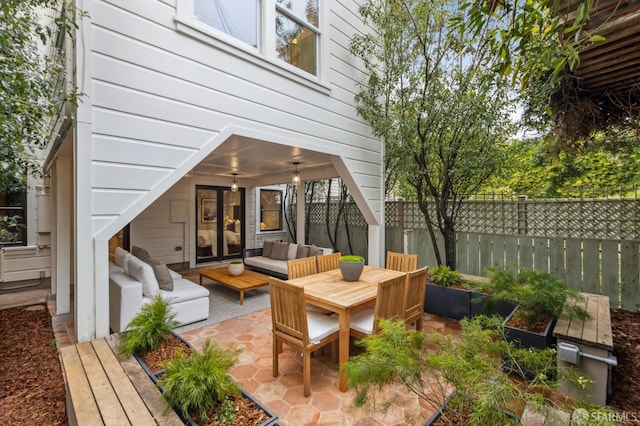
283 394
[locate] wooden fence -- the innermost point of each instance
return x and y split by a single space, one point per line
592 244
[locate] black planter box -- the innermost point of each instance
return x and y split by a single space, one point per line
272 419
529 339
447 301
435 416
480 305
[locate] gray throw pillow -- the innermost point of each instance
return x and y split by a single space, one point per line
267 246
280 251
163 274
315 251
140 253
303 251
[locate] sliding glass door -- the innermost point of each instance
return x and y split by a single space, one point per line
219 223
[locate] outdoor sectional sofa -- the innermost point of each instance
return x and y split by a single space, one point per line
271 259
134 282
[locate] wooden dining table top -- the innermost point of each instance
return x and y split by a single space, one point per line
331 290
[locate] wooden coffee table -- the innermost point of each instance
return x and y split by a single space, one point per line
248 280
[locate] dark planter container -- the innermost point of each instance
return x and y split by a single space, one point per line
480 305
447 301
530 339
351 271
272 419
435 416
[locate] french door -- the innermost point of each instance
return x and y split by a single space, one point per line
219 223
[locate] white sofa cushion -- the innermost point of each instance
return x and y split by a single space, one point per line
279 266
183 290
143 272
293 250
114 269
121 257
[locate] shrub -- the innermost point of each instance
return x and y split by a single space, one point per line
200 383
445 276
148 328
352 258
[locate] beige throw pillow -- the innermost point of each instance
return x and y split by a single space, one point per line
315 251
163 274
140 253
303 251
267 247
280 251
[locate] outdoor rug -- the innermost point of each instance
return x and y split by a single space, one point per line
224 302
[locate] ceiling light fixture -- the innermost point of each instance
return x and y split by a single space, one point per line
234 185
295 178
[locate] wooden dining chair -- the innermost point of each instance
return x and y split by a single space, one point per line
389 305
297 268
297 327
402 262
414 292
328 262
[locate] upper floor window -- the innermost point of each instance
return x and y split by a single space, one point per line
238 18
291 31
13 231
297 33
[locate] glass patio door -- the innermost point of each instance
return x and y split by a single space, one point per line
219 223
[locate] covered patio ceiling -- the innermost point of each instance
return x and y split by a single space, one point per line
258 162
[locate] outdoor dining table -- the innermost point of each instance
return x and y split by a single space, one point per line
330 291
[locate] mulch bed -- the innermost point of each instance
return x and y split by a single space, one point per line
32 387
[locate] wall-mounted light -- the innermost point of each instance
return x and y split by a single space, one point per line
234 185
295 178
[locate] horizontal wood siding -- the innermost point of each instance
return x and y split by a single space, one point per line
24 263
159 96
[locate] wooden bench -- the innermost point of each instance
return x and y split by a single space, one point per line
594 339
101 390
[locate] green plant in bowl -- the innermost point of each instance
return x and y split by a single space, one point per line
199 385
352 258
148 328
236 262
445 276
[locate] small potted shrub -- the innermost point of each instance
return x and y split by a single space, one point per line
236 267
540 299
351 267
200 389
447 293
151 330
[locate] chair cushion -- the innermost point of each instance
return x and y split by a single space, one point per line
143 272
362 321
122 259
321 326
184 290
280 251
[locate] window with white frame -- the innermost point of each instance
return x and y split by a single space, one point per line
237 18
292 32
297 33
13 230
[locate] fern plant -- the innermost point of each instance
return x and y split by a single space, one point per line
445 276
199 383
148 328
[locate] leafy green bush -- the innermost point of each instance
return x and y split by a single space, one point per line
445 276
536 293
200 383
148 328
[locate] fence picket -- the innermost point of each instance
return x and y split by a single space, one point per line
573 276
610 270
629 291
591 266
540 254
526 252
556 258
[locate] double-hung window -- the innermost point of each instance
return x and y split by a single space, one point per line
280 30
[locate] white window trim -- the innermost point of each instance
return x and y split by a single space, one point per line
187 24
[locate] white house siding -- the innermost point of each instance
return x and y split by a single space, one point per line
158 100
160 96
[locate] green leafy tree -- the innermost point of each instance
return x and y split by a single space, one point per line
432 96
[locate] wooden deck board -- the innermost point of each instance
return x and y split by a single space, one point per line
103 392
595 331
78 389
135 409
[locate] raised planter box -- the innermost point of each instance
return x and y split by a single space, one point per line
480 306
272 419
449 302
436 416
530 339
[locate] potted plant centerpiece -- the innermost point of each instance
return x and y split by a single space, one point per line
540 299
447 293
351 267
236 267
